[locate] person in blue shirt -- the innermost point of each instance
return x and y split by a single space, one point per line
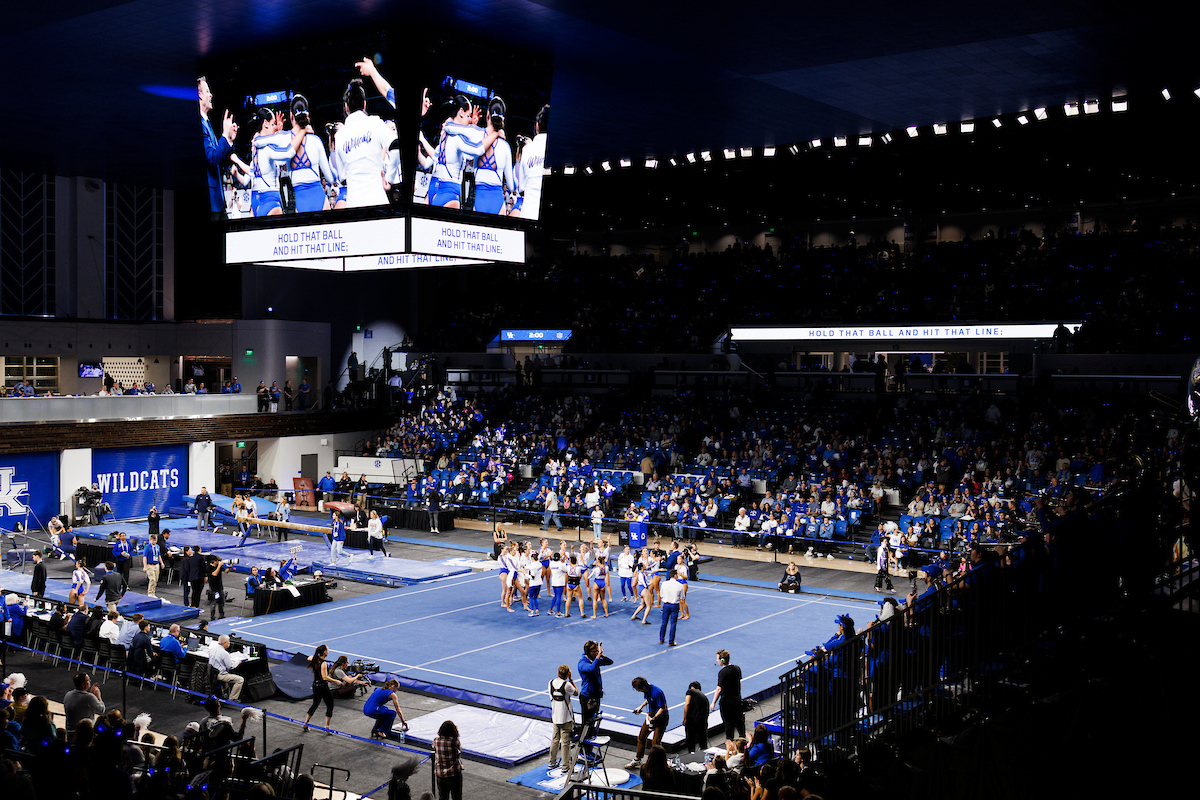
151 558
760 750
302 394
122 555
338 534
204 506
592 689
288 569
656 720
237 387
216 148
171 644
376 708
274 392
327 485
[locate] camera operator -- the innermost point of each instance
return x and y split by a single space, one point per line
353 681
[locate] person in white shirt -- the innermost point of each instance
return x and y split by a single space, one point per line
558 584
561 690
532 164
362 146
220 660
109 629
741 524
625 564
672 594
597 522
375 533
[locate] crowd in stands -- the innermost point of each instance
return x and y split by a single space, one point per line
1134 292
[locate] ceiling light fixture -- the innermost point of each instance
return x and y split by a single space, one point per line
996 123
939 128
839 141
966 127
769 151
1040 113
912 131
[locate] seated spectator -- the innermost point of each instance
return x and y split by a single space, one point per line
83 702
37 731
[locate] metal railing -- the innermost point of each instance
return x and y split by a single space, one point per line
960 647
586 791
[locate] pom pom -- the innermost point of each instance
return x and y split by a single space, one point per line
141 723
253 714
16 680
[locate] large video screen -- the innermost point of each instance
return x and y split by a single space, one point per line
299 129
485 118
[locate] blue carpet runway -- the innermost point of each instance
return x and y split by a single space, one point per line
452 638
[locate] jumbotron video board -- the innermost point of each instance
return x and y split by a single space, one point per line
316 161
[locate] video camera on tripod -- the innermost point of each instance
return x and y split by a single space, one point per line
91 503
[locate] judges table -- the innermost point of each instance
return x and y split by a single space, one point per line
268 601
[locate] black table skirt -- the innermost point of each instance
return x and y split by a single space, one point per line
416 519
268 601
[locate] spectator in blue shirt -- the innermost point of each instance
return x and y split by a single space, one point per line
171 644
327 485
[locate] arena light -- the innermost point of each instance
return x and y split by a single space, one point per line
651 163
589 170
769 151
887 138
674 161
1040 113
839 141
864 141
793 149
729 152
1166 93
1195 91
706 155
1024 120
939 128
1121 103
607 167
626 163
912 131
1071 109
568 170
746 152
815 143
966 127
996 123
1091 106
691 157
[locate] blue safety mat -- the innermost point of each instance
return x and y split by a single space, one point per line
453 639
183 533
486 734
209 540
359 566
133 602
293 678
262 554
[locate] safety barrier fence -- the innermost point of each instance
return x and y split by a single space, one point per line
963 646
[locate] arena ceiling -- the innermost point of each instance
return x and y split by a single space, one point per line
630 78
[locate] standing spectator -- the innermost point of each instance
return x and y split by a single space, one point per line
327 486
435 506
38 585
274 393
656 720
289 395
695 718
375 534
302 397
551 512
82 702
729 695
881 564
352 366
589 673
113 586
264 396
447 762
215 570
220 660
123 556
561 690
204 505
237 386
151 559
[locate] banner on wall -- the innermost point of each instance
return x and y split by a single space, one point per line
136 478
28 488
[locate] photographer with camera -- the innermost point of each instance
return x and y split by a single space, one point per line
376 708
352 676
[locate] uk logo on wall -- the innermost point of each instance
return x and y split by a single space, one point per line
28 488
134 479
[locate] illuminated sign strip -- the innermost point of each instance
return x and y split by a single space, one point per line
899 333
459 240
324 241
535 335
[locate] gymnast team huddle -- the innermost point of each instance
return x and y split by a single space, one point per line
573 575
